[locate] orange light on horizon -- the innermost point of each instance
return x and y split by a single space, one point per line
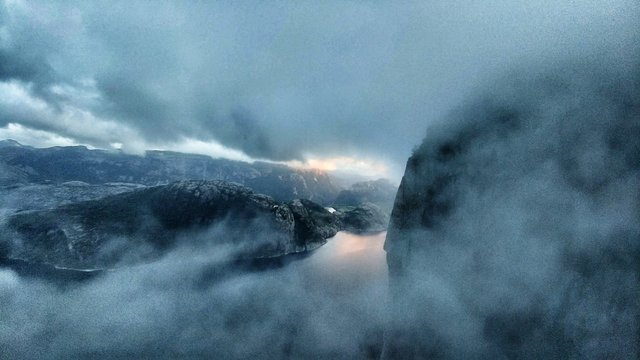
322 164
348 243
345 164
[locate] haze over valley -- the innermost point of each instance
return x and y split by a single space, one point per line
320 180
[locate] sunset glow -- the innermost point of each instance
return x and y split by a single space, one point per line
351 244
349 261
346 165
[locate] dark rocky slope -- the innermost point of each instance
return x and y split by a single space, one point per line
365 218
48 196
143 224
380 192
365 207
515 232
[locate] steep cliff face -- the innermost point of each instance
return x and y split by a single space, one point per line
515 231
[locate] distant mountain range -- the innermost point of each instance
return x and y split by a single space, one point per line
82 208
20 164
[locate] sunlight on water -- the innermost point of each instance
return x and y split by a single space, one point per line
349 262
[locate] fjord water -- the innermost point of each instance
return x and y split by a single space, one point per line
348 262
349 275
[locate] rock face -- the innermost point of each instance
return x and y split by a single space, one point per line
25 165
365 207
366 218
314 223
380 192
142 224
48 196
515 229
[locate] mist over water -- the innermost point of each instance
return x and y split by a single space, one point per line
348 262
328 305
515 233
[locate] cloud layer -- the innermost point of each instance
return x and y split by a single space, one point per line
281 80
185 305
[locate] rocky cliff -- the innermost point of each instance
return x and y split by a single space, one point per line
514 233
143 224
364 218
380 192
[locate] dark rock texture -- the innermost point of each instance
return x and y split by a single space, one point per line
366 206
515 232
380 192
313 222
48 196
142 224
366 218
25 165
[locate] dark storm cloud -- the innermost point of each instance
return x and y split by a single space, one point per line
20 63
36 44
18 66
303 77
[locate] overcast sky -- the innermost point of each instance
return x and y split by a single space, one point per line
358 82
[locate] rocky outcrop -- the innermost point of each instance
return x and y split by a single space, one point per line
314 223
26 165
365 218
514 233
143 224
365 207
380 192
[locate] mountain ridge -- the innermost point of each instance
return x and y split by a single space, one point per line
21 164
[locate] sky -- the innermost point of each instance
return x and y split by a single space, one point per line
339 85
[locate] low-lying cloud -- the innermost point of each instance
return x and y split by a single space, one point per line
191 304
517 232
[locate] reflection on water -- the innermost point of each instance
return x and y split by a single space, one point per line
348 262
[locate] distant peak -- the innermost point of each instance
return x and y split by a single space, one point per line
10 143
